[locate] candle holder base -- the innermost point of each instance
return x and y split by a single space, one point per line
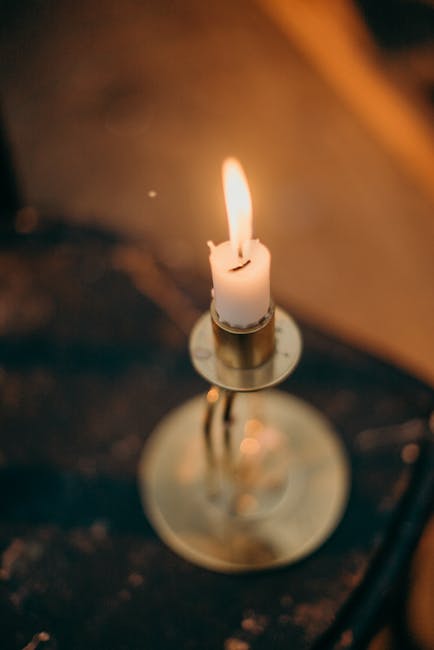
242 525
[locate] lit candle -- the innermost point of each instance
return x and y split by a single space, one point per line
240 267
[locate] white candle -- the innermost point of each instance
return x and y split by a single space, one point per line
240 267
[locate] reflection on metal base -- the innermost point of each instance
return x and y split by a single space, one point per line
210 521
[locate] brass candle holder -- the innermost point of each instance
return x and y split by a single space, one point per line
248 479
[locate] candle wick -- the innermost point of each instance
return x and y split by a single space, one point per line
240 266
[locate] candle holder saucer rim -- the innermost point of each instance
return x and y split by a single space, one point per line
284 360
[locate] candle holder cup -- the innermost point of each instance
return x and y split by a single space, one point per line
247 479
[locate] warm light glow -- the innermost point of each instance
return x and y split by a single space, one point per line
212 395
250 446
238 206
253 427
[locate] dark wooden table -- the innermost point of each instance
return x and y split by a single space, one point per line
90 359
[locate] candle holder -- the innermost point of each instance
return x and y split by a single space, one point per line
247 479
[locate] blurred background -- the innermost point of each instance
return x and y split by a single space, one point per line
119 114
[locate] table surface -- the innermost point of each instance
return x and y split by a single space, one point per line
93 352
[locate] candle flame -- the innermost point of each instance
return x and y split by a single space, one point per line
238 206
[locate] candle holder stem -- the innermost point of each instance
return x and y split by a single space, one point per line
212 399
214 467
227 429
